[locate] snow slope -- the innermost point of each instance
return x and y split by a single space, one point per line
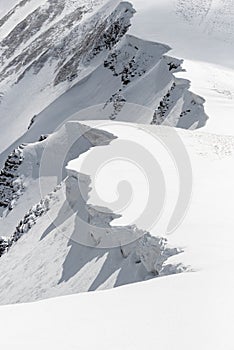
44 51
59 239
62 245
55 235
135 72
168 313
66 60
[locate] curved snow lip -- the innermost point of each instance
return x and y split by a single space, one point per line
137 255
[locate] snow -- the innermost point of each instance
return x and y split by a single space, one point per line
201 235
6 6
174 312
205 45
57 256
165 312
21 13
215 83
42 88
202 231
32 78
75 249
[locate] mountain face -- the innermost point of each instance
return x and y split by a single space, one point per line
58 60
75 82
54 55
47 48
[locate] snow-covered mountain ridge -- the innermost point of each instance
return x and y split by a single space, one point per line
64 55
57 63
58 49
57 236
57 229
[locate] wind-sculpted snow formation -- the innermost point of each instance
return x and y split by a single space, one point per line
48 252
58 59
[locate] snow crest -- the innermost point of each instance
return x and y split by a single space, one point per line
58 228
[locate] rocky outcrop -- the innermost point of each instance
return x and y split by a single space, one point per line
11 183
29 220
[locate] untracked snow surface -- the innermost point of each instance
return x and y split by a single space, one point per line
180 312
62 245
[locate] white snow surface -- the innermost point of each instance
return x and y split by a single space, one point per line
57 60
46 50
185 311
189 310
201 32
69 257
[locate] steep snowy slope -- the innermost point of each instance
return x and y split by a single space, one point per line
135 72
76 55
63 245
80 51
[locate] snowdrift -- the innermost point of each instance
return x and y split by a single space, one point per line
62 245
